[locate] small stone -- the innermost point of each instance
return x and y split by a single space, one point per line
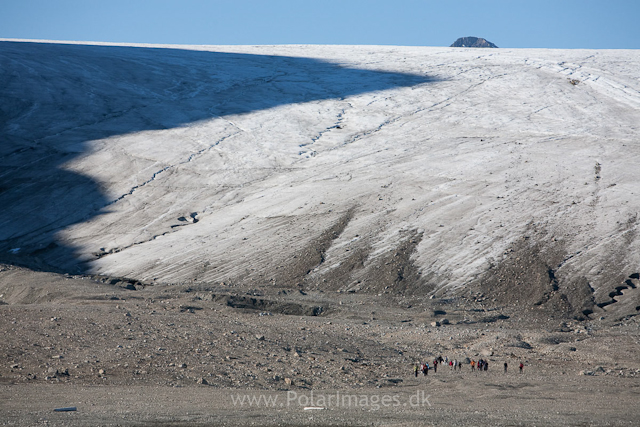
434 323
260 337
288 381
101 372
202 381
182 365
296 354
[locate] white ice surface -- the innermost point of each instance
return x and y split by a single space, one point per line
494 142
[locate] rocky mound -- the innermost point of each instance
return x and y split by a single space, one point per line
472 42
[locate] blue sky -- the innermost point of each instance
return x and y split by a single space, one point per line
601 24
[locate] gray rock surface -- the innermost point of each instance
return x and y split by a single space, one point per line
473 42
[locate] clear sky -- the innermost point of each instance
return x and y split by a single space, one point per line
593 24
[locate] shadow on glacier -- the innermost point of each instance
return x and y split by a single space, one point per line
56 98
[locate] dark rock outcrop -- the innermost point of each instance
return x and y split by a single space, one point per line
472 42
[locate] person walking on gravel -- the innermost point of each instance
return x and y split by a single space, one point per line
505 367
415 370
521 366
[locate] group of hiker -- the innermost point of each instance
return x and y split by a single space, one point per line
454 364
482 365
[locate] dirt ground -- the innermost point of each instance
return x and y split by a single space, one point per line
123 353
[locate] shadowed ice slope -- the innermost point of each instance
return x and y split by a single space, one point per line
57 98
384 170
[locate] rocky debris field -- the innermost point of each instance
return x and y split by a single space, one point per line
64 334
